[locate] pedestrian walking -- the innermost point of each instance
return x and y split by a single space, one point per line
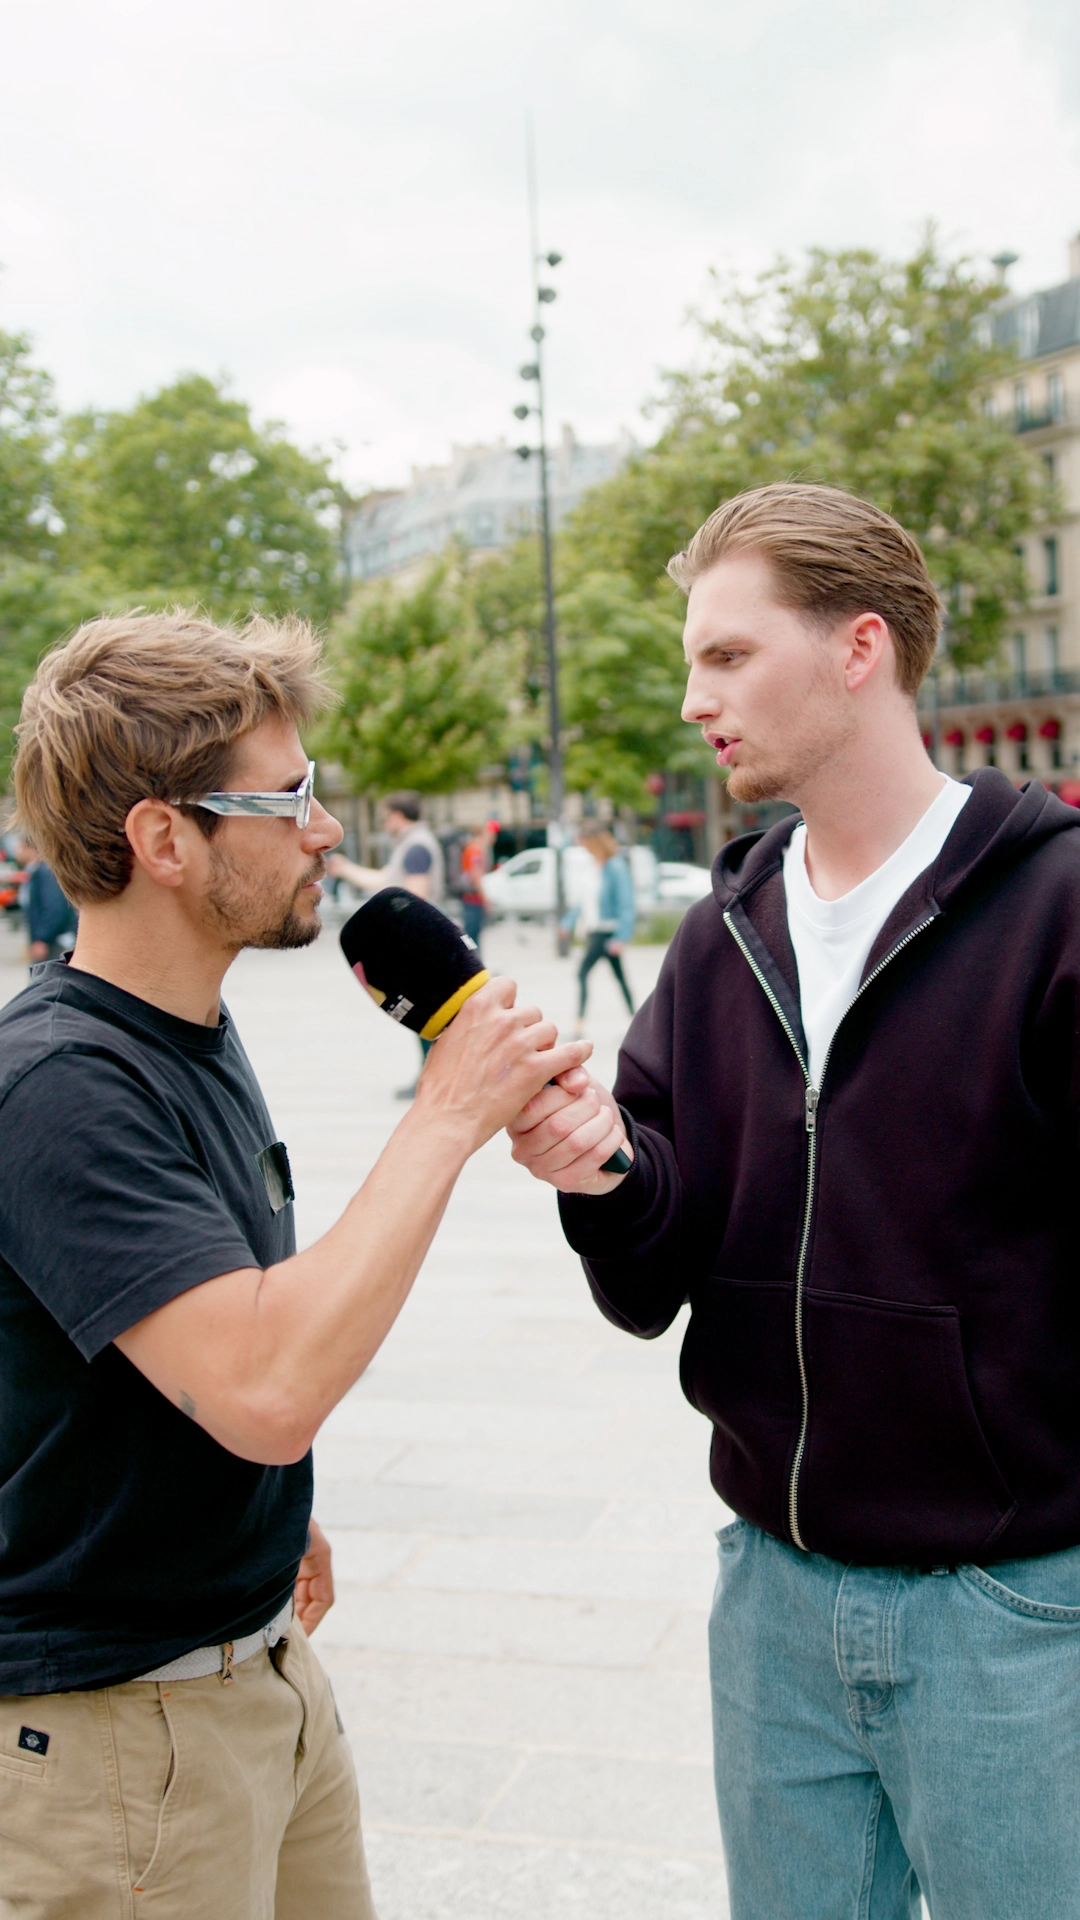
851 1107
49 918
474 864
606 915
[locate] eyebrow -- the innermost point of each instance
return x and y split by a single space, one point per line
725 645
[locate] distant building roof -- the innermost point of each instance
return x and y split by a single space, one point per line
1039 323
487 496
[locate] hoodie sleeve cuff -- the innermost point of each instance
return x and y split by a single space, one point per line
633 1213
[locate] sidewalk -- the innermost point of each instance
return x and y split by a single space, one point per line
519 1504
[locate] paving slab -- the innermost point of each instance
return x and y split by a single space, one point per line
649 1713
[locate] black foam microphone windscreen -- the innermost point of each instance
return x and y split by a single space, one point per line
419 967
415 963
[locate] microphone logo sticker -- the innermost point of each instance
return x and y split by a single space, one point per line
376 993
399 1008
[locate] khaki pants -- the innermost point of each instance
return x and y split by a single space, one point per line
184 1800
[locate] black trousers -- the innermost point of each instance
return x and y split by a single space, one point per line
597 949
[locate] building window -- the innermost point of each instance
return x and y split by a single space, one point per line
1020 397
1050 551
1019 649
1053 650
1055 396
1028 328
990 406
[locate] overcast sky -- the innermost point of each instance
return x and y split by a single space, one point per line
325 200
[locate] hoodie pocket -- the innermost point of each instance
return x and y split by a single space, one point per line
896 1467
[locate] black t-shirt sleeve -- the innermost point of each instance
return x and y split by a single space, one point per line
417 860
106 1209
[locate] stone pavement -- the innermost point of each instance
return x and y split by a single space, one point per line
518 1498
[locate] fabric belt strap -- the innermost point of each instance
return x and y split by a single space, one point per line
203 1660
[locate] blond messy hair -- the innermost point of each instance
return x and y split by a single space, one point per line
831 555
147 706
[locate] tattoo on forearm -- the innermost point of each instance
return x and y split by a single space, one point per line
187 1404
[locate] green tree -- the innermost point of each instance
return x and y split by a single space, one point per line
854 370
183 497
423 698
39 604
29 522
622 678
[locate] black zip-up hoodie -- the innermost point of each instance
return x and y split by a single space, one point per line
884 1283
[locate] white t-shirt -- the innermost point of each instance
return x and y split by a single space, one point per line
832 938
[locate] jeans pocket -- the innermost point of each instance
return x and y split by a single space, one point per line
1043 1573
728 1535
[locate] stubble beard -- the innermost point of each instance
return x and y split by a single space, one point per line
827 725
250 912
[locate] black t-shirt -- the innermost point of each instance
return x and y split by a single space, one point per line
130 1170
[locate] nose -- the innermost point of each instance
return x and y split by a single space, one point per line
322 831
699 703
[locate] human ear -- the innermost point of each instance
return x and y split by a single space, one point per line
868 643
157 835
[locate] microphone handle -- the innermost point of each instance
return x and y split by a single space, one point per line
620 1162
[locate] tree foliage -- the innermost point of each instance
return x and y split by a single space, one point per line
183 497
28 518
422 698
855 371
847 368
622 679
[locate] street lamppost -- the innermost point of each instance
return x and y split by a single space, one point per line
534 370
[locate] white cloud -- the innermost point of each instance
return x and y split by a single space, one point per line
328 202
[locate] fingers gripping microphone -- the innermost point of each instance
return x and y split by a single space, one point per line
419 967
415 963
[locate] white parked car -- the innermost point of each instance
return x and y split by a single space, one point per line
679 883
524 886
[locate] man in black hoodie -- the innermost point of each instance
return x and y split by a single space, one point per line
852 1108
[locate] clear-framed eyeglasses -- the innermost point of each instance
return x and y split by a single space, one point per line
295 806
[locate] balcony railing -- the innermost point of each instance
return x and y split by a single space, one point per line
1061 412
978 688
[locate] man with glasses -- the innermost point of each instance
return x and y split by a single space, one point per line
167 1739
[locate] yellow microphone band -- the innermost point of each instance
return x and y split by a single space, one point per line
445 1013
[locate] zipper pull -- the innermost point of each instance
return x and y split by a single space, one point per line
811 1109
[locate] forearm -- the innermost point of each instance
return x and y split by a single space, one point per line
259 1358
320 1317
363 878
632 1241
270 1353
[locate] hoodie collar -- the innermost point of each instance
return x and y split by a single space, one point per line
1000 824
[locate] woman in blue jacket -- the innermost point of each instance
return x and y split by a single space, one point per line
606 914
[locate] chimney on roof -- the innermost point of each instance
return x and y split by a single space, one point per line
1074 257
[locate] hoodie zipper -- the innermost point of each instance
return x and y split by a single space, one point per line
812 1095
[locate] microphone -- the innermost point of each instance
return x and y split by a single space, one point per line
419 967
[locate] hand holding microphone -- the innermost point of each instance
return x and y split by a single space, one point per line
565 1133
426 975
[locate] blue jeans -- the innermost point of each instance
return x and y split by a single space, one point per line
877 1730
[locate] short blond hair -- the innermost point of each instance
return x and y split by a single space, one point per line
831 555
147 706
601 838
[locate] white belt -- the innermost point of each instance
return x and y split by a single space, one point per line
222 1659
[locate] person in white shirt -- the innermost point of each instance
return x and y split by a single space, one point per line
851 1109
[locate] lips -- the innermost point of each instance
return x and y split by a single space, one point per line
725 748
